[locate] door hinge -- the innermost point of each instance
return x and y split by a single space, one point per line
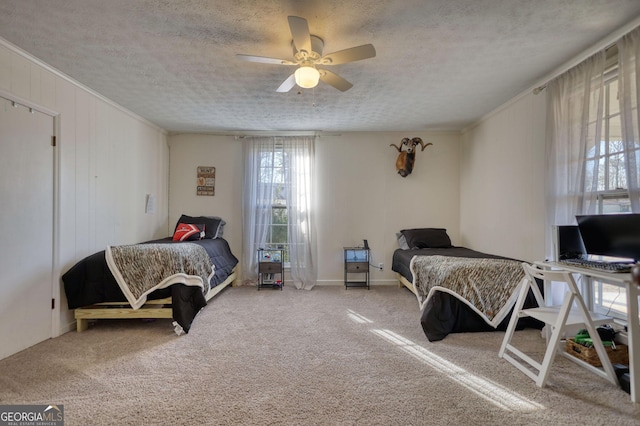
53 141
53 303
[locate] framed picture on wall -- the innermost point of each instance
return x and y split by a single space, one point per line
206 180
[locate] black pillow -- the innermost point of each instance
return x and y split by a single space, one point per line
427 238
213 225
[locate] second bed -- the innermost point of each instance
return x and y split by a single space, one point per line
458 289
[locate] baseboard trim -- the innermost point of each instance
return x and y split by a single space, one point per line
71 326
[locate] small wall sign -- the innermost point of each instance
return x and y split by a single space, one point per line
206 180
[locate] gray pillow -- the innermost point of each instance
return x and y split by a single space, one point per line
402 241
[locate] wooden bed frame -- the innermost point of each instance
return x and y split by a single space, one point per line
159 308
402 281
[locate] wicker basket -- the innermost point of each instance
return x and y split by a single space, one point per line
619 355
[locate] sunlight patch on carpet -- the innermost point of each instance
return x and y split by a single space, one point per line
501 397
356 317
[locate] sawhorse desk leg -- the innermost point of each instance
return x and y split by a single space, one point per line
633 334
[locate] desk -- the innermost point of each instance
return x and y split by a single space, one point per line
633 328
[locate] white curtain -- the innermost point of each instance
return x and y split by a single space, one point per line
574 126
575 102
300 154
257 197
629 83
258 192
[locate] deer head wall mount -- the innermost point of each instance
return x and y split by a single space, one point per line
407 157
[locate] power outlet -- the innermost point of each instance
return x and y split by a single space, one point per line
381 266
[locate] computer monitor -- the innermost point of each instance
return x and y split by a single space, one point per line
615 235
567 243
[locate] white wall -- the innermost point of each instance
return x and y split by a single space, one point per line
189 151
502 181
360 195
108 160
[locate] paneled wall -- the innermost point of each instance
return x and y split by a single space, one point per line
108 160
360 195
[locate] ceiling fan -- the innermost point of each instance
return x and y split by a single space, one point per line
307 55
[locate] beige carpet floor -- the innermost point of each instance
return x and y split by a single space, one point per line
328 356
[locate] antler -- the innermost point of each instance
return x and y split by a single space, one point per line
422 144
407 142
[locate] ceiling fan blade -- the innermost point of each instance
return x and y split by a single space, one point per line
287 84
300 33
265 60
335 80
352 54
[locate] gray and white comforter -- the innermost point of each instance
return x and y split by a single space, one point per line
140 269
489 286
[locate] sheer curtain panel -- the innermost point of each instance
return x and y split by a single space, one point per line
280 167
299 189
574 126
629 81
257 197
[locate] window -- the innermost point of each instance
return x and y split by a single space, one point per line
277 205
593 144
272 170
606 173
605 165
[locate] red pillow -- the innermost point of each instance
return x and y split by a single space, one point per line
188 232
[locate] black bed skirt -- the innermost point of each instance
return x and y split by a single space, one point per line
445 314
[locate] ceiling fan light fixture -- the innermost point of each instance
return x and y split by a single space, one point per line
307 77
307 54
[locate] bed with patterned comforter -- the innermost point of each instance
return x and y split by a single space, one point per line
461 290
135 274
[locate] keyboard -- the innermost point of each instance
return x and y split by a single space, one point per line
598 265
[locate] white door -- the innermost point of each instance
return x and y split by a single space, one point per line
26 227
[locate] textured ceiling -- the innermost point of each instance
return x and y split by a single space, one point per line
440 64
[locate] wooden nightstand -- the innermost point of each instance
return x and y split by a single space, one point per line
356 261
270 268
